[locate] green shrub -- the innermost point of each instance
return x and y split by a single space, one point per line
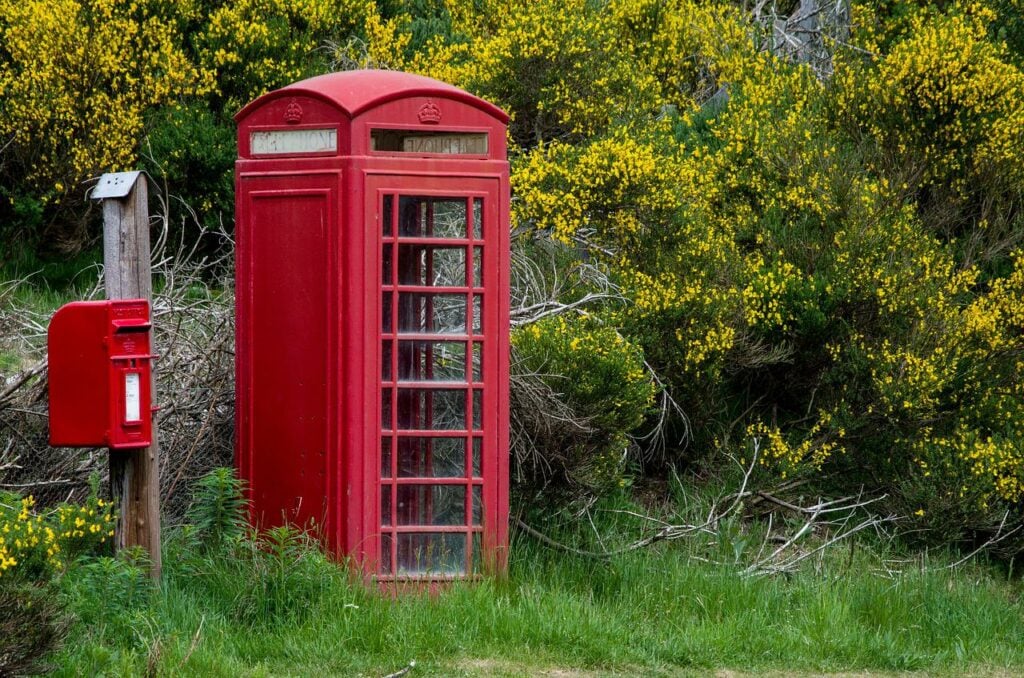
217 515
36 545
33 624
254 577
192 149
602 379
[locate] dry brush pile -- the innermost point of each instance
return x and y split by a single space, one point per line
193 312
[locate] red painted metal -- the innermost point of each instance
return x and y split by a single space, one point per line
372 356
99 374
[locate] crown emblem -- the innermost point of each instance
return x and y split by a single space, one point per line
293 114
429 113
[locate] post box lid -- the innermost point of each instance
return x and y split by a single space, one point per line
357 91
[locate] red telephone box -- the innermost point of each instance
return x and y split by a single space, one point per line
373 320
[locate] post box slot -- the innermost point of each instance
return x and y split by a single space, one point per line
428 143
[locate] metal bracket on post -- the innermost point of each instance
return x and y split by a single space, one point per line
134 475
115 185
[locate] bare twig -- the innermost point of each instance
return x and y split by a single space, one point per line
992 541
403 671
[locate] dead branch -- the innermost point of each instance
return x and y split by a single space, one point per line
989 543
402 672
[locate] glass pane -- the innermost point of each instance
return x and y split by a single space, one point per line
434 266
431 409
385 312
478 552
420 142
478 266
478 211
385 408
478 446
386 215
385 264
434 313
385 554
385 505
478 362
432 553
478 409
478 314
385 457
431 457
432 361
385 360
431 504
432 217
478 504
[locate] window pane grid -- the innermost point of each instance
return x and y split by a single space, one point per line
415 529
434 480
432 386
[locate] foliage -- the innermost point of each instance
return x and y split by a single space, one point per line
254 46
35 549
109 594
32 626
192 149
574 76
258 577
35 545
601 377
822 265
662 609
76 80
218 511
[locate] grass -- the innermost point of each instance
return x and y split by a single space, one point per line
270 611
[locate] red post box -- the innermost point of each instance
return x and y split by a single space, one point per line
99 374
373 318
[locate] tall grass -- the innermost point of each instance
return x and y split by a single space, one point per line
281 608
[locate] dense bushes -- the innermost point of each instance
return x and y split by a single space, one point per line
601 379
35 548
822 264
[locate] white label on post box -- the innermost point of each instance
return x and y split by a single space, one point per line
289 141
132 405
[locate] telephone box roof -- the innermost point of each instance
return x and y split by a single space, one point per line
357 91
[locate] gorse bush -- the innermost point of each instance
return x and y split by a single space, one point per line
36 548
822 264
77 78
601 378
34 545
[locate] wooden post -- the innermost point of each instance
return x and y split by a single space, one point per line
134 474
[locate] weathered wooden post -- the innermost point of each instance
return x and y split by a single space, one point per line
134 474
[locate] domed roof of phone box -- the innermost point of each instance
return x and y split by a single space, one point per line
357 91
